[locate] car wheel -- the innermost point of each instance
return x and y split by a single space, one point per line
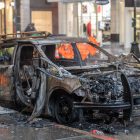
64 112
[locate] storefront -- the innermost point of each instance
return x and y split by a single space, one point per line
6 16
77 18
129 15
44 15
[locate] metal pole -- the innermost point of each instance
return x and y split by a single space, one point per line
1 21
5 31
77 21
96 21
135 20
15 16
135 45
81 19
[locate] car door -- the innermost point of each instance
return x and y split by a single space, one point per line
6 68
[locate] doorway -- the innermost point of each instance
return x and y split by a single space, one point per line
42 20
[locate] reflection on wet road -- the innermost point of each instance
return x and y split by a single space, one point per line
13 126
29 133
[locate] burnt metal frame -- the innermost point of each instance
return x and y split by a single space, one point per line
128 104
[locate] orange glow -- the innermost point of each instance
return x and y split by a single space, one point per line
65 51
86 50
93 40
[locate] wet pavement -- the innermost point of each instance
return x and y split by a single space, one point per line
13 126
130 133
15 132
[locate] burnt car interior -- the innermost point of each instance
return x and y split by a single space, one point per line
50 51
76 54
26 56
27 69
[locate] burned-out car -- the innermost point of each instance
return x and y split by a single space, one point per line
70 78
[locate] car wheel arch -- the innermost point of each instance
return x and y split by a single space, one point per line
55 94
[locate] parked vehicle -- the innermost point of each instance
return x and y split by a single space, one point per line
70 78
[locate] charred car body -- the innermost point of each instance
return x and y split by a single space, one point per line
68 78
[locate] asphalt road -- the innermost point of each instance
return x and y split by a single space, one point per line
13 126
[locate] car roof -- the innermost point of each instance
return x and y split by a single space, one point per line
53 40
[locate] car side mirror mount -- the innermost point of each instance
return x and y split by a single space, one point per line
50 68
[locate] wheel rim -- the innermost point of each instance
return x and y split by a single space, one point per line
64 111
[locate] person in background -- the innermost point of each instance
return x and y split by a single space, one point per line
84 30
30 28
89 28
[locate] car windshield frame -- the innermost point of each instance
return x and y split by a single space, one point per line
77 54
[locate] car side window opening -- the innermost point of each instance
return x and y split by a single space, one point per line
5 70
27 69
6 55
29 56
61 54
91 55
64 51
26 55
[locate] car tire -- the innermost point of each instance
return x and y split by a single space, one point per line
63 110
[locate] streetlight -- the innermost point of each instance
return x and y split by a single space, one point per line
135 45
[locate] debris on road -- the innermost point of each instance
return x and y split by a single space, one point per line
97 132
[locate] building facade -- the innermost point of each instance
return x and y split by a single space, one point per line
43 14
122 13
6 16
73 14
15 15
71 17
